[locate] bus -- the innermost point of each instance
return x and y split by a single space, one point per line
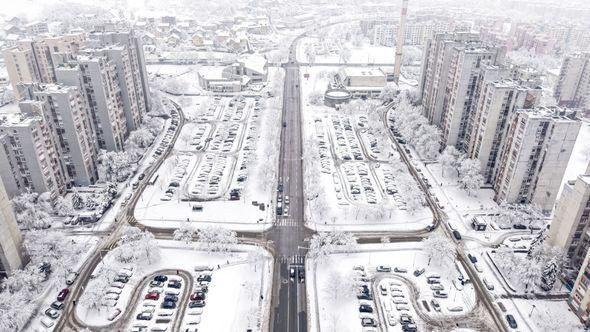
279 208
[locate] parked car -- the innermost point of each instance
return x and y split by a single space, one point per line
156 283
511 321
383 268
114 314
196 304
168 305
197 296
170 298
57 305
161 278
365 308
367 321
63 294
152 296
144 316
52 313
419 272
174 284
400 270
435 305
204 277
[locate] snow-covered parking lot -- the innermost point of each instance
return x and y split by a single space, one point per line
392 283
221 169
159 295
354 177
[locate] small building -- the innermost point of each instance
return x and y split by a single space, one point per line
362 82
479 224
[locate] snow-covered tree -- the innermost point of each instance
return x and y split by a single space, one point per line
413 196
141 138
153 124
316 98
439 248
324 243
53 247
114 166
428 141
63 207
345 55
95 293
388 93
29 213
216 238
470 177
77 200
137 247
184 233
449 159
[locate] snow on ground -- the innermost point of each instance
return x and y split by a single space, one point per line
240 134
56 285
543 315
366 53
239 278
332 288
344 172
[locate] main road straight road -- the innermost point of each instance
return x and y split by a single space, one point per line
289 300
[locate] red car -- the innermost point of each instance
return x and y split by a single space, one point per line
62 295
197 296
152 296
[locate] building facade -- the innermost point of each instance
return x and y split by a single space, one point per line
11 253
573 86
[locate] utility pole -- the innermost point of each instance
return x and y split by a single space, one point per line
399 43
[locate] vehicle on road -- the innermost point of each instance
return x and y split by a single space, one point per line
457 235
472 258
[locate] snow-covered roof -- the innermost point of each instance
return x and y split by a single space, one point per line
362 72
211 72
254 62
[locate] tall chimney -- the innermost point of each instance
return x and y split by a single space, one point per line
399 44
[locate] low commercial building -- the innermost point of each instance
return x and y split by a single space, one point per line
362 82
235 77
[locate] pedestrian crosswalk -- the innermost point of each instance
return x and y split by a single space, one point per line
293 260
287 222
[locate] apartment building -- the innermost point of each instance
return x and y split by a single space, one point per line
384 35
579 299
28 156
573 86
463 83
65 111
11 254
570 227
536 151
97 78
31 60
435 72
497 103
36 28
109 36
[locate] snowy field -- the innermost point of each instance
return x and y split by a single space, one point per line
353 175
228 144
335 281
233 300
327 52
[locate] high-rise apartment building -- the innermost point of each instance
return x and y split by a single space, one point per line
97 77
435 71
28 156
66 113
535 154
11 254
573 86
497 103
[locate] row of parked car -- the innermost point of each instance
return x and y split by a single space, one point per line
347 145
389 180
393 300
209 176
326 160
167 139
198 297
197 138
360 183
178 174
159 305
373 147
365 298
225 137
235 109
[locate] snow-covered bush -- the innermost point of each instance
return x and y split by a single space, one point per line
30 214
114 166
137 247
216 238
439 249
470 176
324 243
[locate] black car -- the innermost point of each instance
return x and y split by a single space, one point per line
364 296
170 298
204 277
301 276
472 258
280 188
168 305
365 308
121 278
196 304
511 321
457 235
174 284
419 272
519 226
141 176
160 278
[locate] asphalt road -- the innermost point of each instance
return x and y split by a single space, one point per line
289 298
